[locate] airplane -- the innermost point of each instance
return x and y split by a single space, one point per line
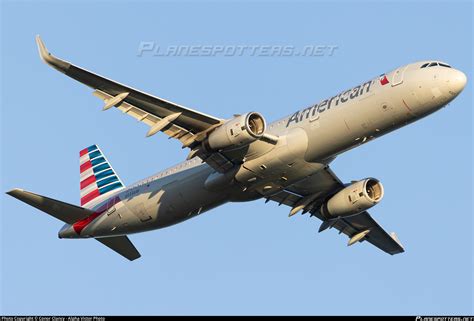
243 159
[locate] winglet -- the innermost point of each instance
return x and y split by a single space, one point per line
394 236
48 58
15 191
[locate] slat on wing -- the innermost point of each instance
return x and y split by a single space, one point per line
191 120
190 127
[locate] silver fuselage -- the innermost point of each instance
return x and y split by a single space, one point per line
309 139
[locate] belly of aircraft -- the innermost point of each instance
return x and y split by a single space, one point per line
162 204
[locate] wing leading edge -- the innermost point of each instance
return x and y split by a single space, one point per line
190 127
174 120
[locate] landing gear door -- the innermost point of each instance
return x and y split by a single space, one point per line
398 76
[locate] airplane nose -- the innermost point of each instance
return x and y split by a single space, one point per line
457 81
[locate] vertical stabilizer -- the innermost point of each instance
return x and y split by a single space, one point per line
98 178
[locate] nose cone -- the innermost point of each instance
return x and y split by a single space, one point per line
457 81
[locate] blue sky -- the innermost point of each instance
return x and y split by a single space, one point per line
245 258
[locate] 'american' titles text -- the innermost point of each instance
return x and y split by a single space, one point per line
343 97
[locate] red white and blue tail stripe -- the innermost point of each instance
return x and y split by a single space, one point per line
98 178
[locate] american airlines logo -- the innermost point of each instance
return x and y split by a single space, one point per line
383 79
313 111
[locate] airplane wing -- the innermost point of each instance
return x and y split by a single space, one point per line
187 125
314 190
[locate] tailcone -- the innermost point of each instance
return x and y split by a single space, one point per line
67 232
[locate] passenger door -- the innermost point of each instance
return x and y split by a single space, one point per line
397 78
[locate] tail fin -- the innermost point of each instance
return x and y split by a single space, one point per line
98 179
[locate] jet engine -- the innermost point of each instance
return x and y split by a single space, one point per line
354 199
238 131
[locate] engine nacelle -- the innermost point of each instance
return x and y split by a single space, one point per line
354 199
239 131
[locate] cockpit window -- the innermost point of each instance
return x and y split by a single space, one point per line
444 65
434 64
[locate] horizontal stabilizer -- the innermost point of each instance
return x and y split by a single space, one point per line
65 212
122 245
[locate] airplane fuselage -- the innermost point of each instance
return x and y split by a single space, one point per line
308 140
